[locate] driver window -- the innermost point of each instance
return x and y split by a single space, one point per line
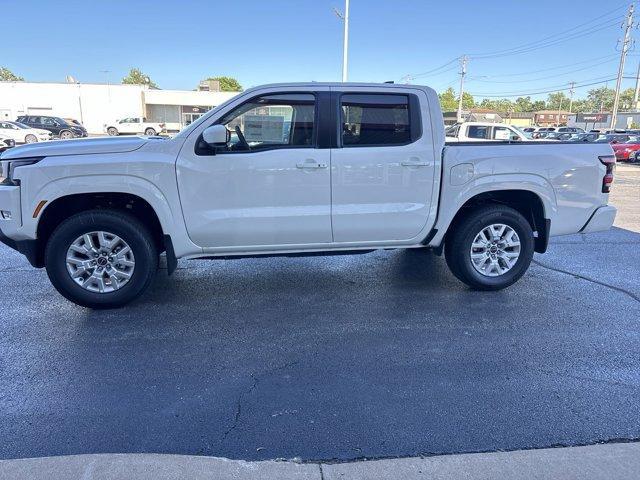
272 121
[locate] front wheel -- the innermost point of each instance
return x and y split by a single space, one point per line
101 258
150 132
490 248
66 135
30 139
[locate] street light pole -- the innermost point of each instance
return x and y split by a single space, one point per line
345 41
345 45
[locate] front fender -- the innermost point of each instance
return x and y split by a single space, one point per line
453 197
63 187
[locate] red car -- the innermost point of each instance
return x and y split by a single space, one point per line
626 151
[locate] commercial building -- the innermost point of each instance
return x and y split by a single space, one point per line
96 104
551 118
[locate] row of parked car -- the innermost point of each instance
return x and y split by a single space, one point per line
40 128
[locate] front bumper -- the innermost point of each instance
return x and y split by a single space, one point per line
601 220
11 228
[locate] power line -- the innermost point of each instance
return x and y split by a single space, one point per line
550 37
556 75
416 75
541 45
553 90
593 60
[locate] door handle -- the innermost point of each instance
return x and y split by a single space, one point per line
310 164
415 164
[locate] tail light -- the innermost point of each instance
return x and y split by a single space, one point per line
608 161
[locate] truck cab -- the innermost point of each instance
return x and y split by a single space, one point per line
483 132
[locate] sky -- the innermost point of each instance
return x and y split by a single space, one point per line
263 41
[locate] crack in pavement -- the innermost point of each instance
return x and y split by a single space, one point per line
254 385
589 279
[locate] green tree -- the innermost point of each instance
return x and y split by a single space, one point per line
448 102
558 101
539 105
467 101
600 99
7 75
137 77
626 99
228 84
523 104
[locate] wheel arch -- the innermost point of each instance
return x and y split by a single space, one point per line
534 200
55 211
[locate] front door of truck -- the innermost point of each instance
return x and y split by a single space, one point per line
383 171
269 186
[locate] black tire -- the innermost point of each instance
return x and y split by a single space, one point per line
113 131
127 227
459 241
150 132
66 134
30 139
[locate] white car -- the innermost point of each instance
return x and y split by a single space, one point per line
22 133
484 132
133 126
312 168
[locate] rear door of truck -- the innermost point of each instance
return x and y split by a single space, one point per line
383 169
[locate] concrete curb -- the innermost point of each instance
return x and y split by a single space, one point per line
619 461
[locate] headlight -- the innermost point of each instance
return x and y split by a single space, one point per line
9 166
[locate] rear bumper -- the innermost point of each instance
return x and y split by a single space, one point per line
602 219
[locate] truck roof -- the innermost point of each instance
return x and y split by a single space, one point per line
390 86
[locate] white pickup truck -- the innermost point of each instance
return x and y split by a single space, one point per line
133 126
484 132
296 169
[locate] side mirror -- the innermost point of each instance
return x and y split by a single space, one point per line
216 135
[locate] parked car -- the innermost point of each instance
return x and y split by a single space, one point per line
560 136
22 133
6 142
59 127
528 129
545 129
133 126
625 151
570 130
97 213
583 137
613 138
483 131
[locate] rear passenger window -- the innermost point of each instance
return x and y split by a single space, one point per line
375 120
477 131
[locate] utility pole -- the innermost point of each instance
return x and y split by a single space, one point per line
626 43
571 92
463 72
637 92
345 41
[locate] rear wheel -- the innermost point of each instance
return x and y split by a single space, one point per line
101 258
490 248
112 131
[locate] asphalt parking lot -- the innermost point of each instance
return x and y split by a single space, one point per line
332 358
